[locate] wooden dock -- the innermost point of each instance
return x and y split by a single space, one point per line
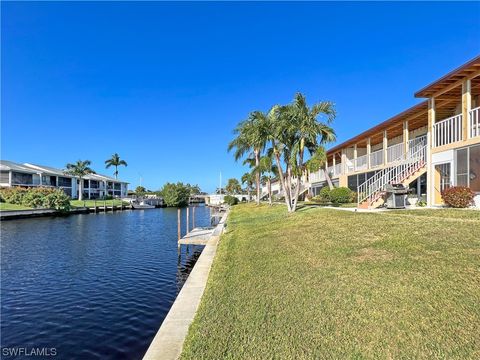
197 236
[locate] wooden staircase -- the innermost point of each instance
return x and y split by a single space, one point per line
371 193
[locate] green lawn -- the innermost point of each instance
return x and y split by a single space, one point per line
7 206
330 284
91 203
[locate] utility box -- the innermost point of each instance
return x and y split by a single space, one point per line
396 196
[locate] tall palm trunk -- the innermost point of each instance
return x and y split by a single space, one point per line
282 178
297 189
269 185
329 181
257 175
80 189
116 171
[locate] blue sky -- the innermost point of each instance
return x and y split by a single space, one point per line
164 84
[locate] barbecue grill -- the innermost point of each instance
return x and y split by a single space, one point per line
396 196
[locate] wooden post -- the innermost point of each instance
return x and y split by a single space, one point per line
405 138
193 217
430 145
355 152
179 226
188 219
104 205
334 164
466 107
369 151
385 146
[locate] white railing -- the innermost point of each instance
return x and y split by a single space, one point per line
360 163
415 144
318 176
447 131
337 169
395 152
349 167
475 122
371 189
376 158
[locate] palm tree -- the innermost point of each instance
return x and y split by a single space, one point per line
269 172
80 169
248 180
115 161
251 138
296 130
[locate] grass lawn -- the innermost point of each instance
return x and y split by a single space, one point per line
330 284
7 206
91 203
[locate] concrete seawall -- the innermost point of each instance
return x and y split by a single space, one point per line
168 342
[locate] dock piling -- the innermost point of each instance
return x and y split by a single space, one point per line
188 218
179 226
193 217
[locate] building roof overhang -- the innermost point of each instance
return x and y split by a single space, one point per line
394 127
468 70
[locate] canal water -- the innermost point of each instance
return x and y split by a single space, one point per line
91 286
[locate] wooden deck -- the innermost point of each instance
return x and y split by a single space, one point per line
197 236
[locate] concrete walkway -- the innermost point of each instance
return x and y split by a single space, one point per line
168 342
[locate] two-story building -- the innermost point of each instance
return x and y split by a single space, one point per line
95 186
429 147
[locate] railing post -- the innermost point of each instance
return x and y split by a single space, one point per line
369 151
466 107
385 146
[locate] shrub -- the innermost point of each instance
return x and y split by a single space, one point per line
36 197
13 195
323 196
230 200
57 200
458 196
175 194
341 195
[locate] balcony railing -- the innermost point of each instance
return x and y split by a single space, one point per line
447 131
361 163
475 122
337 169
395 152
376 158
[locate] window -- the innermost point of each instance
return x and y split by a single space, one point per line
22 179
64 181
468 167
474 164
4 177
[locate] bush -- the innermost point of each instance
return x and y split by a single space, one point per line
36 197
341 195
57 200
13 195
324 196
230 200
175 194
458 196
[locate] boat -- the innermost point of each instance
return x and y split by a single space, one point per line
142 205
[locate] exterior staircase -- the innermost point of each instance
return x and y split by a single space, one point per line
371 192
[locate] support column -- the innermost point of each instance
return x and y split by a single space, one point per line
369 151
355 157
344 161
385 146
334 171
405 138
466 107
88 189
430 172
10 178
